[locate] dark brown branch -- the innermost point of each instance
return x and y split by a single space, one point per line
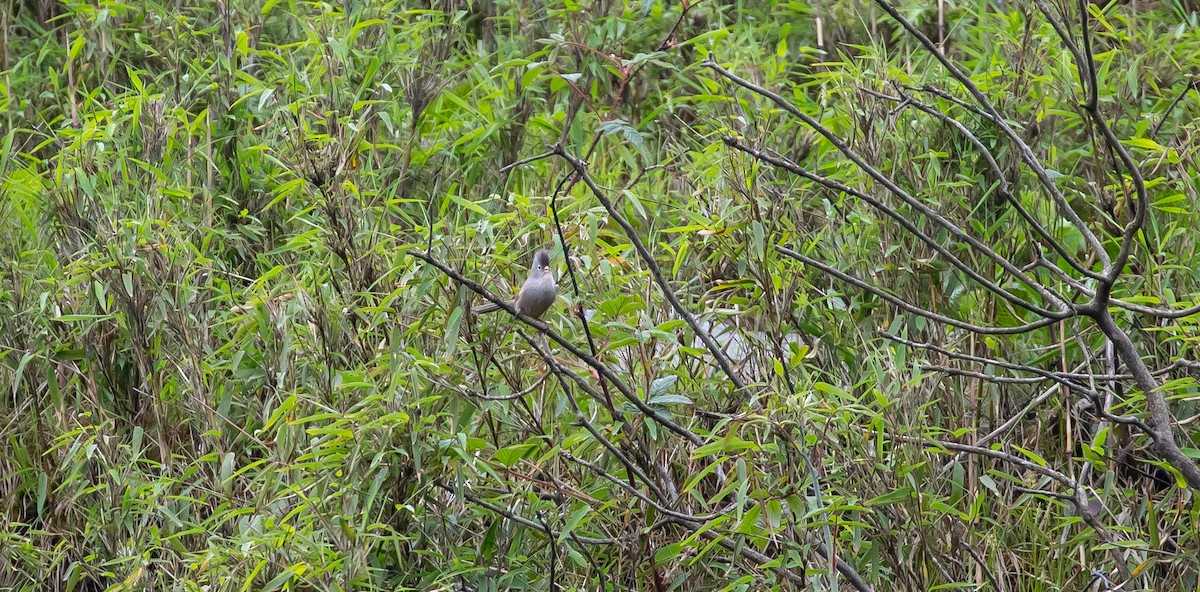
1044 374
1060 29
896 190
1026 152
472 393
1003 188
521 519
1087 67
1161 422
1156 404
579 313
1161 313
993 378
526 161
1089 63
903 305
559 372
623 485
991 286
1158 126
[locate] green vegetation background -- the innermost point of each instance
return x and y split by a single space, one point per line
223 368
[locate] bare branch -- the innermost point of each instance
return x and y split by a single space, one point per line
1161 423
1003 188
526 161
472 393
579 313
1089 63
904 222
657 506
896 190
1161 313
1087 67
1158 126
903 305
559 372
1044 374
1162 433
1026 152
993 378
521 519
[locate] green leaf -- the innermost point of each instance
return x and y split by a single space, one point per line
1145 144
667 553
278 581
662 385
774 513
509 455
1035 457
895 496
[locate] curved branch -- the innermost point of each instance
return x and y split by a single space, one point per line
583 320
521 519
897 190
1004 189
1026 152
1160 313
1162 426
472 393
1044 374
559 372
904 222
901 304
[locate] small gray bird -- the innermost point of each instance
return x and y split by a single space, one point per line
536 294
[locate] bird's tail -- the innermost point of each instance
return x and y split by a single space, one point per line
483 308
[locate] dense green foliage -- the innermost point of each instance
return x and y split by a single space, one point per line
226 368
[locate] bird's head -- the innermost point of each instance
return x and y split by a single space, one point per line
541 262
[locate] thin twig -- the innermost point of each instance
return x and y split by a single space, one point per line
896 190
521 519
478 395
1003 188
526 161
579 312
1158 126
904 305
908 225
